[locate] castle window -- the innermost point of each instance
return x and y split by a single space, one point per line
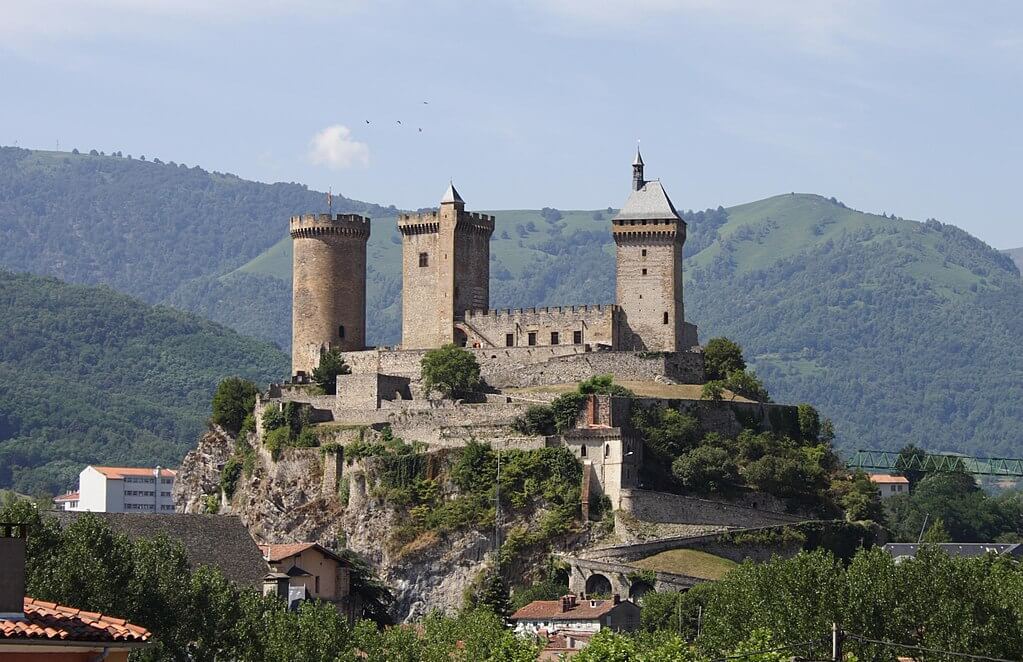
607 450
509 340
666 317
644 272
582 451
554 337
341 332
644 252
577 337
424 259
532 338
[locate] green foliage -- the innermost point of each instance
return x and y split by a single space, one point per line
746 384
211 504
603 385
809 422
722 357
566 410
276 441
713 390
233 402
489 591
860 498
936 533
332 364
538 419
707 468
230 474
451 370
88 376
967 514
911 463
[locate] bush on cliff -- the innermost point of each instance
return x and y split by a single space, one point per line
232 402
451 370
722 357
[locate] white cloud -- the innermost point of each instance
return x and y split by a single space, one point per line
334 148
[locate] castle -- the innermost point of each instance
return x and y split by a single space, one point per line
446 285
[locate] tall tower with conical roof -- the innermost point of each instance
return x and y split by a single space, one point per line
649 235
445 271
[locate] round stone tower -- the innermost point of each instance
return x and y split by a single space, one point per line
328 308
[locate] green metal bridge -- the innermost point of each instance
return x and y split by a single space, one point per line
933 462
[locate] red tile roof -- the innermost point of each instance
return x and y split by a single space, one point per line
275 553
889 479
50 621
550 610
121 472
70 496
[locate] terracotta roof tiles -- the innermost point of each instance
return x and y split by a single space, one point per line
48 620
121 472
551 610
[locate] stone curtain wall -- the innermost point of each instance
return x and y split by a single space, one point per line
490 328
650 506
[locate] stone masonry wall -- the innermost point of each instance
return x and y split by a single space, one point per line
328 286
649 288
649 506
590 325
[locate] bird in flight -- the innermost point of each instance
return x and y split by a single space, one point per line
367 121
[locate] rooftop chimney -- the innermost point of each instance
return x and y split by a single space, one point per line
12 571
616 598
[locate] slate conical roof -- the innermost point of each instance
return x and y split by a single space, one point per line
639 158
649 202
451 195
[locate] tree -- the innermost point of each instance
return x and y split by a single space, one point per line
603 385
707 468
936 533
713 390
809 422
232 402
491 593
746 384
722 356
859 498
332 364
451 370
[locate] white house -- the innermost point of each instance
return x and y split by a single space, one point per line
576 615
123 490
890 485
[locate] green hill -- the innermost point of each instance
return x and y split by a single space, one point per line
1017 256
901 331
90 376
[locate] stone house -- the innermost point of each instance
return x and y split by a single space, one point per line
307 571
571 614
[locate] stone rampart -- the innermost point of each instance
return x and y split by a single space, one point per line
720 543
754 510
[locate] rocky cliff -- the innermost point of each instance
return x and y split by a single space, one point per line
288 499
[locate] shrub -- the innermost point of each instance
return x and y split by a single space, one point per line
331 365
233 400
566 411
229 476
603 385
451 370
746 384
276 440
273 419
809 422
713 390
538 419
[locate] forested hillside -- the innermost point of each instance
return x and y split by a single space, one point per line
900 331
1017 256
88 375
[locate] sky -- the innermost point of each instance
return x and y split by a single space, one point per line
911 108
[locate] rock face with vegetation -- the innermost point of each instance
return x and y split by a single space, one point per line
424 520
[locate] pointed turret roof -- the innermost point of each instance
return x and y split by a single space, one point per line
639 158
650 202
451 195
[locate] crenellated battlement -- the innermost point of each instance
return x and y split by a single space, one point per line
311 225
555 311
427 222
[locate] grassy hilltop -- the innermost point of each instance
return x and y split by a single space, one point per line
899 330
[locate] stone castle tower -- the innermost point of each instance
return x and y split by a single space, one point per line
445 271
649 235
328 286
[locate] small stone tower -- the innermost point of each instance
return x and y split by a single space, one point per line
328 308
445 271
649 235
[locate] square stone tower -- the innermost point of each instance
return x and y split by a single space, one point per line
445 271
649 235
